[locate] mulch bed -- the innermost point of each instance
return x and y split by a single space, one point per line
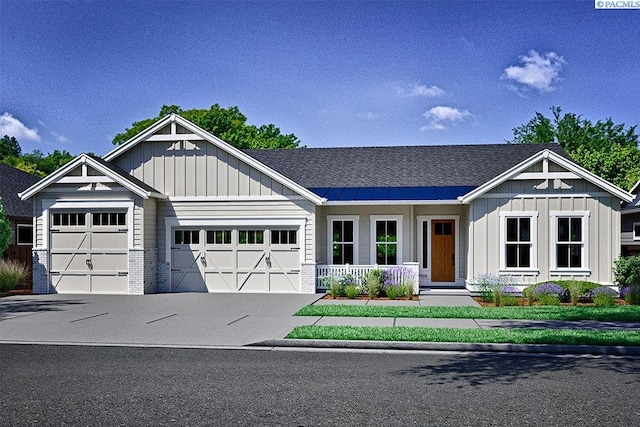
365 297
523 302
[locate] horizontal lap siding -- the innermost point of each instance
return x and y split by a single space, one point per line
235 210
604 227
198 169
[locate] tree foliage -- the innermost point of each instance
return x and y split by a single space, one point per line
228 124
9 147
5 230
604 148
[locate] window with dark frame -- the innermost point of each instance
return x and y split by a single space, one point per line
218 237
109 219
186 237
250 237
569 242
636 231
68 219
386 242
284 237
342 241
24 235
518 243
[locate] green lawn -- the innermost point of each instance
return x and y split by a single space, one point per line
617 313
514 336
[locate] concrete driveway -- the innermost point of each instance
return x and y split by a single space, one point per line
189 319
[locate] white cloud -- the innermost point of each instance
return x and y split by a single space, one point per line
418 89
60 138
537 71
440 115
11 126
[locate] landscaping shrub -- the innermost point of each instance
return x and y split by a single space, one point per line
12 274
530 294
403 277
351 291
630 294
332 284
393 291
575 292
548 299
508 300
373 280
626 271
604 296
492 287
549 289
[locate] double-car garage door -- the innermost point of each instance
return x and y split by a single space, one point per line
235 259
88 252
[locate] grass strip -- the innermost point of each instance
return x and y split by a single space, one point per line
628 313
513 336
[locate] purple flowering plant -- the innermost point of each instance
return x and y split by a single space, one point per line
549 289
603 290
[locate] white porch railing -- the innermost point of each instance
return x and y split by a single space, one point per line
358 272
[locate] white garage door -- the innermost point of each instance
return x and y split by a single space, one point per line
235 260
89 252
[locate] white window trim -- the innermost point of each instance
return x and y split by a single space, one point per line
633 231
372 221
18 227
584 270
533 270
356 236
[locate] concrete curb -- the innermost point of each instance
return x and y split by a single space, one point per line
473 347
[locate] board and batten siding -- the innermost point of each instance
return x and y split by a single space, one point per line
272 209
196 169
522 196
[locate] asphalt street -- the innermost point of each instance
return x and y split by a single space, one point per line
82 385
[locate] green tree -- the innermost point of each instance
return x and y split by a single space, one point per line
5 230
9 147
604 148
228 124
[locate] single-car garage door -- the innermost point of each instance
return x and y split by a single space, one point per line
89 252
235 260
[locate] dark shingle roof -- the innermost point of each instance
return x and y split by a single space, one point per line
409 166
12 182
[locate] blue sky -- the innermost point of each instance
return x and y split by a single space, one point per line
349 73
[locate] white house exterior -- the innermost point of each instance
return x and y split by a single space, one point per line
631 224
177 209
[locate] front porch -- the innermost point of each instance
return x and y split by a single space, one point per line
423 285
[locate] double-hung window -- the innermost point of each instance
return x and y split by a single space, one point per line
569 241
636 231
386 244
342 239
518 241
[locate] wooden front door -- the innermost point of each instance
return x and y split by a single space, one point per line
443 250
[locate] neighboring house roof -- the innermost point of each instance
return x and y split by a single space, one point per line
408 166
633 206
112 172
12 182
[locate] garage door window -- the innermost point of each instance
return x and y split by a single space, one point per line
250 237
218 237
187 237
69 219
109 218
284 237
